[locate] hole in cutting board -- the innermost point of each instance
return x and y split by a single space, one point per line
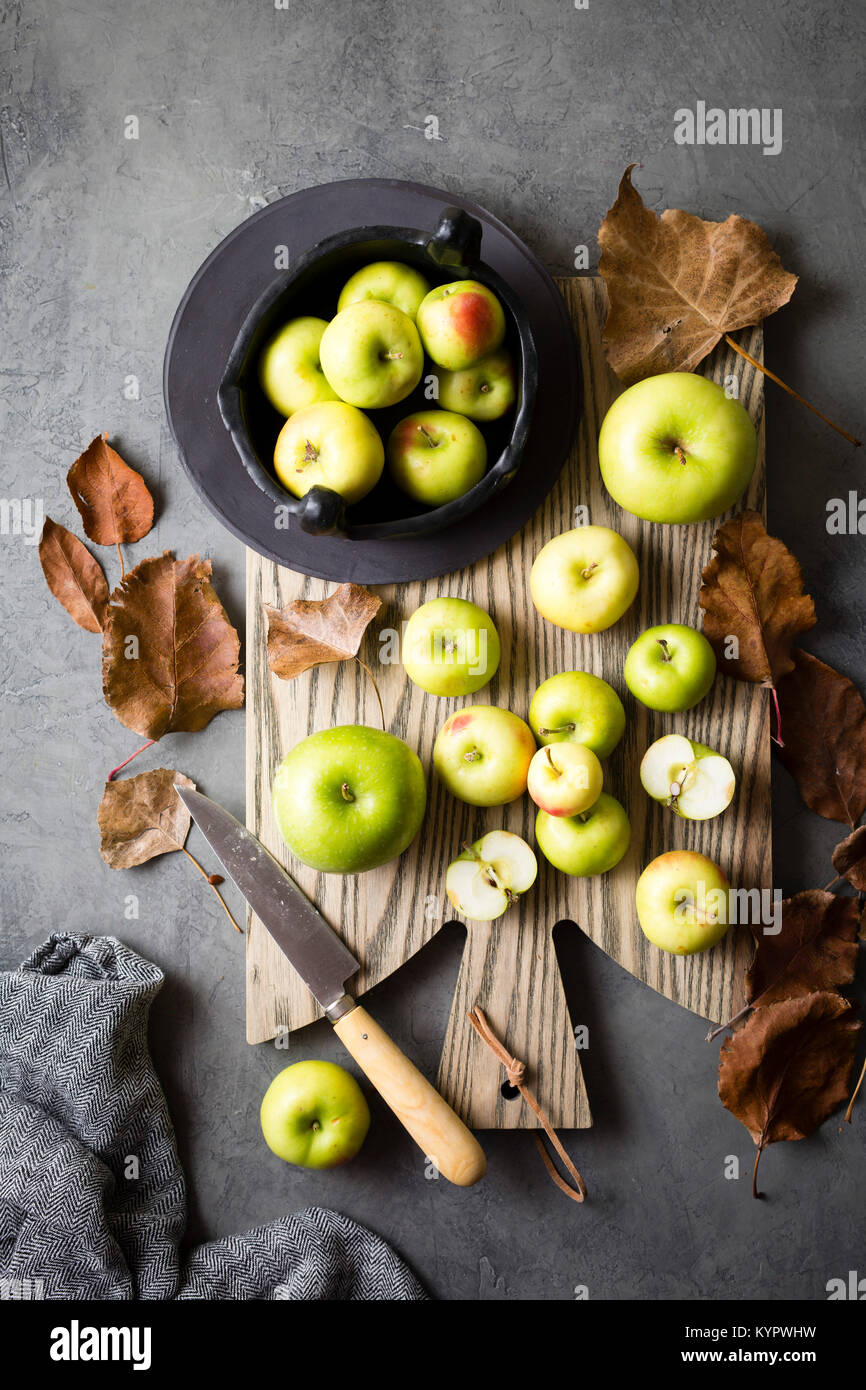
508 1092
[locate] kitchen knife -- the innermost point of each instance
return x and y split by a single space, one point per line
324 963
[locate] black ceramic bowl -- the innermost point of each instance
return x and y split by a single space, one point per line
452 252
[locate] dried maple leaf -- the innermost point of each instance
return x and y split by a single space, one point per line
678 284
825 738
788 1068
816 949
752 590
113 499
74 577
849 859
169 653
142 817
310 632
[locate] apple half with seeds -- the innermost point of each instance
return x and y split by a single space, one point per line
688 777
490 875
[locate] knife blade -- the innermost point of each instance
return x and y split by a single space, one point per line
325 963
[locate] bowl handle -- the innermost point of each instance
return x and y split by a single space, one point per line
320 511
457 240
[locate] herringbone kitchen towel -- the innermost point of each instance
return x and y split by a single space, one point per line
92 1196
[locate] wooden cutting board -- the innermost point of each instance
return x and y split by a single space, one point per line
510 967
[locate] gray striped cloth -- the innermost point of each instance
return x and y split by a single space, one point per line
92 1195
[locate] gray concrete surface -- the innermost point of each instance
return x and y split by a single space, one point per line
540 106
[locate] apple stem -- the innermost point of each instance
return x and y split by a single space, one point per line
432 443
472 756
550 760
345 792
365 667
666 656
854 1095
755 1192
777 737
208 878
391 356
590 569
680 453
714 1032
791 392
563 729
114 771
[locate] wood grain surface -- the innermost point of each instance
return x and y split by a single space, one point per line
510 967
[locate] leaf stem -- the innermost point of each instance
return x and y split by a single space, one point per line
207 878
120 557
777 738
365 667
854 1094
790 390
114 771
714 1033
755 1192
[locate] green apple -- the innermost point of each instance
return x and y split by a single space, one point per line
564 779
587 844
436 456
490 876
577 707
675 448
670 668
486 391
371 354
290 372
349 798
585 579
390 282
450 647
460 323
683 902
688 777
314 1115
329 445
482 755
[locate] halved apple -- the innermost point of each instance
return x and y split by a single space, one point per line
689 777
490 875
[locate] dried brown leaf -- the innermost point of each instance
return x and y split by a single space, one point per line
849 859
114 501
752 590
816 949
311 632
677 284
142 817
74 577
788 1067
824 719
169 654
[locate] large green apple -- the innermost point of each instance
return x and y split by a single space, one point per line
314 1114
577 707
371 354
390 282
450 647
587 844
670 668
329 445
460 323
289 368
436 456
483 392
585 579
683 902
349 798
482 755
675 448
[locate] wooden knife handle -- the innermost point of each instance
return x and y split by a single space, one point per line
437 1130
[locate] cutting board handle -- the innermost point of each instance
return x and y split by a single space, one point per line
437 1130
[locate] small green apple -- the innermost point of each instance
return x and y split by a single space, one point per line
490 875
683 902
577 707
670 668
436 456
450 647
676 448
371 354
564 779
314 1115
484 392
688 777
349 798
590 843
585 579
390 282
290 372
329 445
460 323
482 755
